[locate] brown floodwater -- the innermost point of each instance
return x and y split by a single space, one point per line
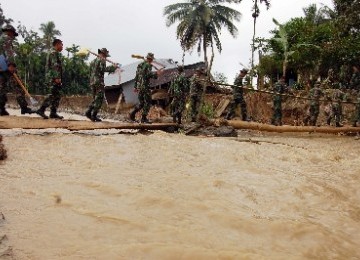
102 195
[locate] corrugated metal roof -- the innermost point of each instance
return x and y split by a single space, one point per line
128 72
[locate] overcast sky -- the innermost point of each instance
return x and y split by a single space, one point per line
128 27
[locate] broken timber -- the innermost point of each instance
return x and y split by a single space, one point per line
10 122
238 124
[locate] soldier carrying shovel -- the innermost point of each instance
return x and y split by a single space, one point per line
98 68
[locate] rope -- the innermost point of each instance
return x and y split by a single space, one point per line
276 93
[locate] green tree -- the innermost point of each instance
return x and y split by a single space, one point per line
76 72
50 32
3 19
200 23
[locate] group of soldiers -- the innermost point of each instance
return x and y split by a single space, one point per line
181 88
330 89
54 77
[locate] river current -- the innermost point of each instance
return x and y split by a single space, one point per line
154 195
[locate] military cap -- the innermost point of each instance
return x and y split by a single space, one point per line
244 71
10 28
104 51
56 41
150 56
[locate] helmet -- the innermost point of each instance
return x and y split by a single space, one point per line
10 28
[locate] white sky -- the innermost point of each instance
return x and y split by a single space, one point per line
128 27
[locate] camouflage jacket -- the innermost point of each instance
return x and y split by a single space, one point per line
355 81
97 71
338 96
315 93
54 67
196 86
238 91
278 88
179 86
6 47
143 75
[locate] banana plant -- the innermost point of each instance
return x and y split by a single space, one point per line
283 41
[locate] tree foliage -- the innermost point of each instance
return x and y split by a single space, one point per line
200 23
322 39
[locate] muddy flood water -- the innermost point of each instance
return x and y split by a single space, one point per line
156 195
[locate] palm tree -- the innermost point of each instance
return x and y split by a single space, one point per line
200 23
49 33
318 16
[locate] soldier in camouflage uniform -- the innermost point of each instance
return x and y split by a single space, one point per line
5 77
330 80
179 89
6 49
355 78
357 110
196 91
278 88
98 69
54 80
238 97
336 106
315 93
142 86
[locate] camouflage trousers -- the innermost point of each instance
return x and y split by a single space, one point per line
144 102
277 112
335 113
194 106
53 99
312 117
20 95
3 97
12 86
356 116
177 106
233 105
98 101
3 100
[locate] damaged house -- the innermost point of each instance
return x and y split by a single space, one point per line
119 87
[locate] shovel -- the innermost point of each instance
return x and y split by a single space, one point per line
85 51
32 100
135 56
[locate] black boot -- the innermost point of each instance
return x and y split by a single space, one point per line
95 118
337 124
328 121
244 117
27 110
88 112
54 115
144 120
3 112
133 114
354 124
41 112
228 116
179 119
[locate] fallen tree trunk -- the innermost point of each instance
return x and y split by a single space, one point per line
238 124
10 122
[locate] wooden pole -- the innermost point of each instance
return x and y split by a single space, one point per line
11 122
238 124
